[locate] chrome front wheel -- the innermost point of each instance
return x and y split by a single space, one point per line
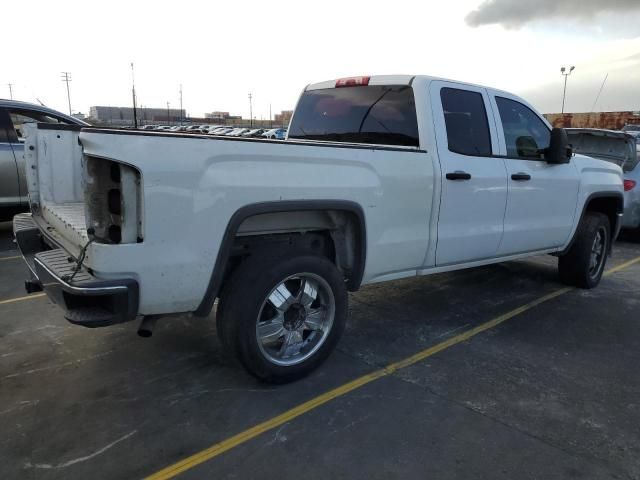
598 252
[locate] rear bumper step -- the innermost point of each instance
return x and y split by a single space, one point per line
87 300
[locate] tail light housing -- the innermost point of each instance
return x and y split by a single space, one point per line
113 201
629 185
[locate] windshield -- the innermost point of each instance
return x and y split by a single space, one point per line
379 114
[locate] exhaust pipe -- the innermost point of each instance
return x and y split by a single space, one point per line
145 330
32 286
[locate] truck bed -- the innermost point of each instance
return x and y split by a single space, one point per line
68 219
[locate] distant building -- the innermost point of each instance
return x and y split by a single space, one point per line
607 120
221 116
124 115
283 117
79 116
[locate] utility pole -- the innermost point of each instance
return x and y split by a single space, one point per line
66 77
566 74
250 111
168 116
270 118
133 93
180 104
10 85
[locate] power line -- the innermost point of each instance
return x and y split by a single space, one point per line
599 92
66 77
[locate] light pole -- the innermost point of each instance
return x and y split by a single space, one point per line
180 104
565 74
250 111
66 77
133 92
168 116
10 85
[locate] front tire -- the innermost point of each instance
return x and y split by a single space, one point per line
282 314
583 265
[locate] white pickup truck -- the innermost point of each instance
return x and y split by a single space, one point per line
380 178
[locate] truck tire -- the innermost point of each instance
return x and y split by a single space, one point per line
282 313
583 264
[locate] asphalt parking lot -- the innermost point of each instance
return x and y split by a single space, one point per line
515 377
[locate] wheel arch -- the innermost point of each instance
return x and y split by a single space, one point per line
610 204
352 209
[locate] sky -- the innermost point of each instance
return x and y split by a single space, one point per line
220 51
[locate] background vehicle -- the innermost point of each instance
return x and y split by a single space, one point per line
208 128
618 147
221 131
380 178
13 116
237 132
276 133
256 132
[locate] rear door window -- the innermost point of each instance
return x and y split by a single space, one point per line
372 114
466 120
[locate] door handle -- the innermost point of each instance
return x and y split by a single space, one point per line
458 175
519 177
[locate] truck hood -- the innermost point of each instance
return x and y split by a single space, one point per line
609 145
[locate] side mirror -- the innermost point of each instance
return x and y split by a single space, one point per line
559 150
527 147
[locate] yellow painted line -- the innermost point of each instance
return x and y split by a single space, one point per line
622 266
10 258
242 437
20 299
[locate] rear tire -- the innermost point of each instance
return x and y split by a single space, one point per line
582 266
282 313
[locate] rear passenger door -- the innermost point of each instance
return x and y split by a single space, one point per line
474 180
9 190
542 197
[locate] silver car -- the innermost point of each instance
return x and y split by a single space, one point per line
619 147
13 115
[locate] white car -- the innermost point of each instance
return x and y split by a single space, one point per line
221 131
237 132
380 178
256 132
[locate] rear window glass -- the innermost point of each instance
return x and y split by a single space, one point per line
376 114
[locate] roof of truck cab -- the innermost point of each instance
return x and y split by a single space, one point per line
394 80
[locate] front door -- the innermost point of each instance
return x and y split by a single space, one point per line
542 197
474 181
